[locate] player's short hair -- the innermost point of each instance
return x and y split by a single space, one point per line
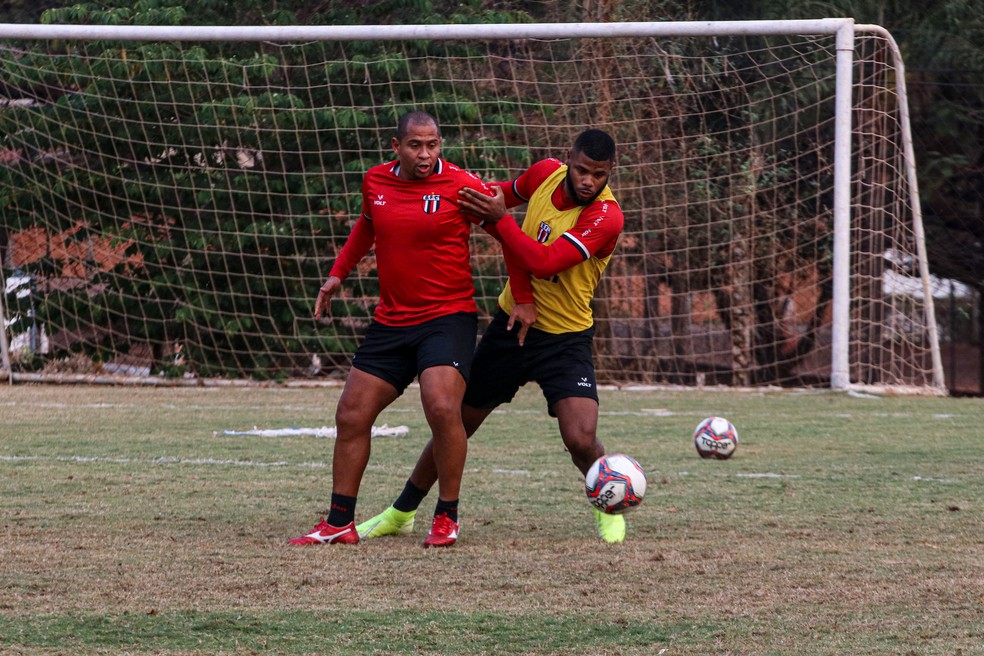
596 144
416 117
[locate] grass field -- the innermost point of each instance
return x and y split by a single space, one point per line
843 525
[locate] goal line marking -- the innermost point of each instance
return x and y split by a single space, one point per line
328 432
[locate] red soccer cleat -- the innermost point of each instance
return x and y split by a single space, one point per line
443 533
324 533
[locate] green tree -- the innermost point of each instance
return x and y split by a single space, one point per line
942 44
161 175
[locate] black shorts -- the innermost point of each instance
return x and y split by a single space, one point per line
561 364
399 353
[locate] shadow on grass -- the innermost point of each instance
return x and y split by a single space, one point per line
336 632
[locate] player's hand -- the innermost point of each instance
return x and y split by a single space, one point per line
523 314
322 306
485 208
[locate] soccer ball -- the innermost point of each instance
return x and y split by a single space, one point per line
716 437
615 483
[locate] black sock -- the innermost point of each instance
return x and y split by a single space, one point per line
410 498
341 512
449 508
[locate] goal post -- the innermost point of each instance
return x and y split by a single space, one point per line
172 196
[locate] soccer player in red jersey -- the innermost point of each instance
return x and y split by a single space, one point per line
424 326
572 226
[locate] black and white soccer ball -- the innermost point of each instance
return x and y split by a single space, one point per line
716 437
615 483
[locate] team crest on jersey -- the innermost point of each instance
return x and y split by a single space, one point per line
431 203
543 233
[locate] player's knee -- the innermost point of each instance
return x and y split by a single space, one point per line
584 447
443 411
348 416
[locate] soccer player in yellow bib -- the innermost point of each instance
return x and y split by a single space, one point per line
544 328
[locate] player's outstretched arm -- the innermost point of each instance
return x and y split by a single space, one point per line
595 232
488 209
541 260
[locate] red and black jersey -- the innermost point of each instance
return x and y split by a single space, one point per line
421 242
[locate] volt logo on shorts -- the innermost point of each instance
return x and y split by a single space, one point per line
583 382
431 203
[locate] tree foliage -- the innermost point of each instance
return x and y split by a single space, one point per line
161 170
942 44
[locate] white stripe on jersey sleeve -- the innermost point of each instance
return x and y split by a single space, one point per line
515 190
577 243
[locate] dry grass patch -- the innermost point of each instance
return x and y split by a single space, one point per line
129 527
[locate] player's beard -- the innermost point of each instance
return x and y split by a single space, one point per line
572 192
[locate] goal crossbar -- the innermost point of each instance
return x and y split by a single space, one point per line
295 33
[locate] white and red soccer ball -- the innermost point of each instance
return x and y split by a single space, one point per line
716 437
615 483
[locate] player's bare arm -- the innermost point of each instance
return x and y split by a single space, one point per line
322 306
487 208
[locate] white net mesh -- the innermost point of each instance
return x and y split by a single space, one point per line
171 209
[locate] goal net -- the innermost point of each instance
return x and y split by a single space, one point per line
172 198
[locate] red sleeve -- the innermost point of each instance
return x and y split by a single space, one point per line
542 261
472 181
521 189
520 283
509 193
518 191
595 233
359 242
519 277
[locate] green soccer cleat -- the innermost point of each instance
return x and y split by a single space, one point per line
611 528
389 522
